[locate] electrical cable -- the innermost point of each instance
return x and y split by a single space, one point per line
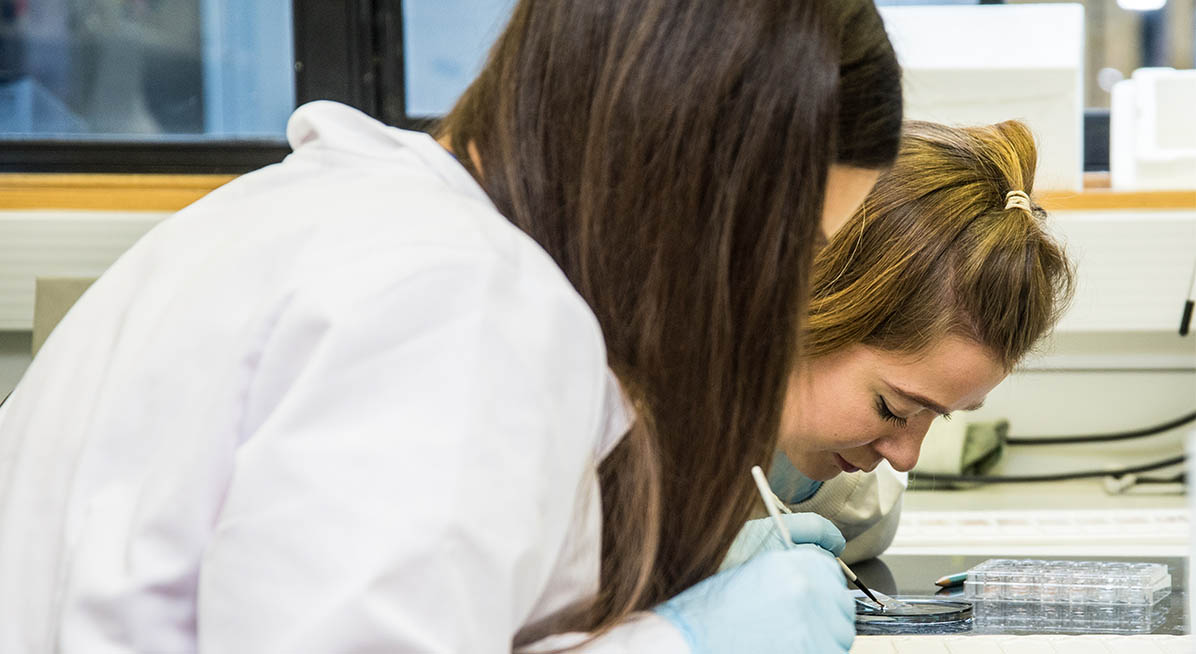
1103 438
1185 320
1058 476
1181 478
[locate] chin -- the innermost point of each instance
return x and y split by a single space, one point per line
816 467
827 472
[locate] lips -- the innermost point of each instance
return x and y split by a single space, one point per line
844 465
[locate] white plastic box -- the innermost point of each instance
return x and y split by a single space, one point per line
1152 130
983 64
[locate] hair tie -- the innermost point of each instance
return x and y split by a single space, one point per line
1018 199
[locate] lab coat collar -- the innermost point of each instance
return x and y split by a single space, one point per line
619 416
327 124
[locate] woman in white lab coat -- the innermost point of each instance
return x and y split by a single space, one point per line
925 300
391 395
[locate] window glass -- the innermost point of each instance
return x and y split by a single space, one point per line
154 70
445 43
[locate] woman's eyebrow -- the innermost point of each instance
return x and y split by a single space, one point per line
929 403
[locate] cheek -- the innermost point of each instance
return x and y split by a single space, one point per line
791 414
840 429
833 419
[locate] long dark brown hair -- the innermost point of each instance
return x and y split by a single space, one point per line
672 157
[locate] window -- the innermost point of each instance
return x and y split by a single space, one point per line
145 69
205 86
444 47
144 85
181 86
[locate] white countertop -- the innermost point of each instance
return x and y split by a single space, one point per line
1044 519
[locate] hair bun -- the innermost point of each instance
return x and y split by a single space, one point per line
1018 199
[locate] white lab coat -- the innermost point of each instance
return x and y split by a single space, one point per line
865 506
339 405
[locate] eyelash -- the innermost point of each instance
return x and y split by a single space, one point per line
882 408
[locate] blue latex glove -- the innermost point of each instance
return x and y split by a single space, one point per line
783 602
761 536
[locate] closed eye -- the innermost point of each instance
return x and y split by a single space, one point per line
883 410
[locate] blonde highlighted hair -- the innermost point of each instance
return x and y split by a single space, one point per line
937 249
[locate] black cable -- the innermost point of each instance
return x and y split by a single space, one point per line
1181 478
1103 438
1058 476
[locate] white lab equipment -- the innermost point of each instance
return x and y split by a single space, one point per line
1152 130
1043 596
1069 582
976 65
1022 618
257 430
1141 5
962 447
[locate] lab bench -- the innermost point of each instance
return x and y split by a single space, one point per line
945 532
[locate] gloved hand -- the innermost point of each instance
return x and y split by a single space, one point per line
761 536
783 602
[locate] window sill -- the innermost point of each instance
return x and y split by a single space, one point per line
168 193
97 192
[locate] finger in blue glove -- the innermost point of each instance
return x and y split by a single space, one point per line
758 536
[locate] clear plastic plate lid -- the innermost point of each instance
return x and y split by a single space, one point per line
1068 582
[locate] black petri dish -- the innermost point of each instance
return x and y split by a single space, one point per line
913 615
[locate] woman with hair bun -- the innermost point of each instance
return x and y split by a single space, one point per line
942 281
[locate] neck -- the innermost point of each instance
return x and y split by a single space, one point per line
446 142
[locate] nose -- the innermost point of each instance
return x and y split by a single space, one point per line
902 448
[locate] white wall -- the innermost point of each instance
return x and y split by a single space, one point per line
1117 361
1116 364
1108 393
